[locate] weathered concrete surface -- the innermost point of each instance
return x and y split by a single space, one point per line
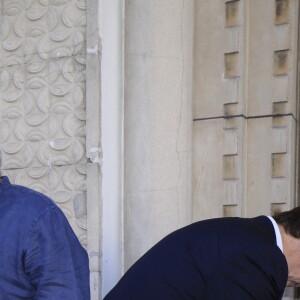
158 70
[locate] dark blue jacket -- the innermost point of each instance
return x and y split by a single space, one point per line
40 256
228 258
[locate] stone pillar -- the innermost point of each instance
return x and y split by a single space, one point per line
158 79
94 149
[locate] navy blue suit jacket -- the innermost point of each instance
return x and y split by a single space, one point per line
227 258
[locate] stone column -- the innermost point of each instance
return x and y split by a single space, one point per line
158 121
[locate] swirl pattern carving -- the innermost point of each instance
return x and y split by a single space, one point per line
42 100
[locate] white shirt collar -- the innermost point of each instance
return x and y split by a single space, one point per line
277 233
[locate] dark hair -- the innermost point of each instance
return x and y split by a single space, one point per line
289 220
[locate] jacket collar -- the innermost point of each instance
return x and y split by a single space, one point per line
266 227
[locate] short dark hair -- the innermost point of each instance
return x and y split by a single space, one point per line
289 220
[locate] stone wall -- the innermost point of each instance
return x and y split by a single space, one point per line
158 121
244 107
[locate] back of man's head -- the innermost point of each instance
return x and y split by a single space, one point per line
290 221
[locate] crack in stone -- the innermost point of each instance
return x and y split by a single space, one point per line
180 115
246 117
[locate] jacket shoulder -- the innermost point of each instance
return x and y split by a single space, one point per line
27 201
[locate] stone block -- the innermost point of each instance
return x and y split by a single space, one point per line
282 11
279 165
260 50
231 138
230 171
232 39
153 89
231 65
274 47
212 40
281 65
271 164
282 38
232 13
280 139
281 89
229 210
217 168
231 90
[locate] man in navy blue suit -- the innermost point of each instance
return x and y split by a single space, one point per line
226 258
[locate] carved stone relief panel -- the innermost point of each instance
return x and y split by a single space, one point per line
43 28
44 121
42 100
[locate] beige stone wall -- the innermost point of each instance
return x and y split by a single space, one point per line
244 107
158 121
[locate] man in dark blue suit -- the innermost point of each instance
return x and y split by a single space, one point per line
226 258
